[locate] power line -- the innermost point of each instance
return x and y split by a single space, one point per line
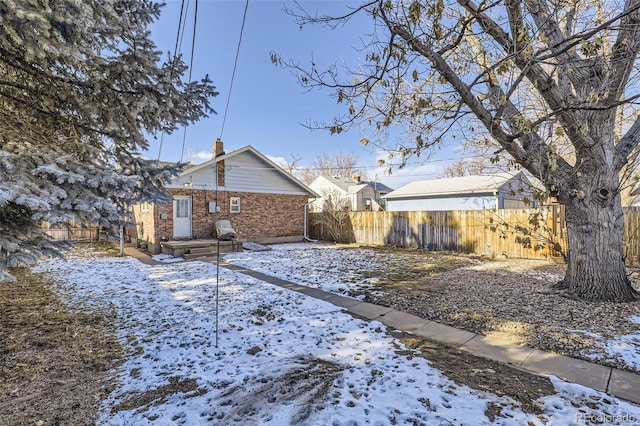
182 12
177 48
193 48
235 64
388 165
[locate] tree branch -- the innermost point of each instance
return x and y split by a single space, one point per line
556 99
628 144
468 98
625 51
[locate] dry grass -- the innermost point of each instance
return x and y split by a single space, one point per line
55 364
305 382
158 396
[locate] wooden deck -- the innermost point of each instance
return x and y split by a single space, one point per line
191 249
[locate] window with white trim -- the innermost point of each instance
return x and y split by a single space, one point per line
234 204
182 208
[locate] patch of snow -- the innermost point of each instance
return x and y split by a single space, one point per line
248 245
241 340
167 258
589 406
316 265
625 348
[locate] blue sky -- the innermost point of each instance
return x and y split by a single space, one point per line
267 108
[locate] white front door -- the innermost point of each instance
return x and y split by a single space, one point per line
181 216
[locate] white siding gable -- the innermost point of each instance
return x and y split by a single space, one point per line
244 172
322 185
356 194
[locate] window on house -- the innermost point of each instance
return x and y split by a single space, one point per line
234 204
182 208
145 207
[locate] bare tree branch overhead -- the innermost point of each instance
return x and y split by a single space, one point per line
553 83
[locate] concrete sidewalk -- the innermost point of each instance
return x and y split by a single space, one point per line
618 383
143 257
615 382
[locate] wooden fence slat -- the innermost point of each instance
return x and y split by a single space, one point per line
487 232
70 231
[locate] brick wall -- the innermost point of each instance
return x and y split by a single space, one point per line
267 215
261 216
146 221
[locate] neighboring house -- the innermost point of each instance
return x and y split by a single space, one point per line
348 194
496 191
263 202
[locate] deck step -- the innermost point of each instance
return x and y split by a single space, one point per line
189 256
197 250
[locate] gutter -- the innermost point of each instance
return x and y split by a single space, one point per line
306 237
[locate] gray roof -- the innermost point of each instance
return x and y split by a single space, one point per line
478 184
344 183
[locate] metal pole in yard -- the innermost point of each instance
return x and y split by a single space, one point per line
217 285
121 240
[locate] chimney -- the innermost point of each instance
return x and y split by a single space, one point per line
218 148
357 178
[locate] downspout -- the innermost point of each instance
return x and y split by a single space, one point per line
495 194
306 237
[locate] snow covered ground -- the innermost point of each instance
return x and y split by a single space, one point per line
326 267
276 357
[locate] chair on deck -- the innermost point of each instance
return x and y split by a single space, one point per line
224 230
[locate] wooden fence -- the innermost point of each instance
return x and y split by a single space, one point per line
71 231
532 233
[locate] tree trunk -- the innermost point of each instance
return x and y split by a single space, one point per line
596 269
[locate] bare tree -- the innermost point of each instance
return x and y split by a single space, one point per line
192 154
336 165
530 72
334 216
291 166
467 167
307 175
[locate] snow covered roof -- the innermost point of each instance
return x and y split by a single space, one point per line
478 184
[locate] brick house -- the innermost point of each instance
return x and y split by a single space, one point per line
263 202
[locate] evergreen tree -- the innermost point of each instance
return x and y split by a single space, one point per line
81 87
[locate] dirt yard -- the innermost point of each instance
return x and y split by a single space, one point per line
56 362
510 299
